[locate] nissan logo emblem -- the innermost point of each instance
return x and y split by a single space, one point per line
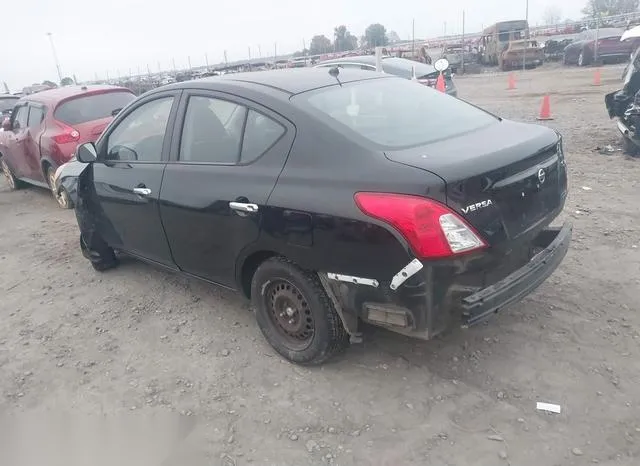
541 175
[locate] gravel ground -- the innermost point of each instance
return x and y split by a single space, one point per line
137 341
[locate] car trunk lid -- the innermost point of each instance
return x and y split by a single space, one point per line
506 179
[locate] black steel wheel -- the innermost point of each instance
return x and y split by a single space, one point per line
295 314
290 313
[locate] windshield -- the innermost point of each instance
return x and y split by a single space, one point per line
7 104
395 113
92 107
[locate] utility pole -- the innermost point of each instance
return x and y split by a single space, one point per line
189 61
226 62
259 51
173 60
249 58
55 56
304 51
464 47
527 37
413 38
206 60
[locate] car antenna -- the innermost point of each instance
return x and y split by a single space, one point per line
335 71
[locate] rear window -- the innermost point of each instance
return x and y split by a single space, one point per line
7 104
92 107
395 113
404 68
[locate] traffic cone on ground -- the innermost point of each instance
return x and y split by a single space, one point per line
545 109
440 85
597 77
511 83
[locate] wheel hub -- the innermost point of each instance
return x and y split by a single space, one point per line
290 312
7 173
61 196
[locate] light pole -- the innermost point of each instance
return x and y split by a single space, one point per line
526 36
55 56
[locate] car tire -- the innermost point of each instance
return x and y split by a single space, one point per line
62 196
13 182
295 314
101 256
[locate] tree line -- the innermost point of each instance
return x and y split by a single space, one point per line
343 40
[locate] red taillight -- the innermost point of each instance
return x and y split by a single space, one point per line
431 228
66 135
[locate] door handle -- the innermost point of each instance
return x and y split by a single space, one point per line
243 207
142 191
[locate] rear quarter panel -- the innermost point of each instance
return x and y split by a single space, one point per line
312 217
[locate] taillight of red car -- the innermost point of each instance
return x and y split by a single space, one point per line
66 135
432 230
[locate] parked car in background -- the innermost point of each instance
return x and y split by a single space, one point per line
454 54
7 102
328 198
582 50
426 74
45 128
623 105
554 48
521 52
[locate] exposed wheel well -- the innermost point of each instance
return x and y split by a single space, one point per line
249 268
45 166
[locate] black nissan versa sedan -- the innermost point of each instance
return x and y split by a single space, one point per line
329 197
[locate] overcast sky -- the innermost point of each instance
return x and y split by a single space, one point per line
96 37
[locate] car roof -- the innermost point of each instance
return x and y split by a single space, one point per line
53 96
290 81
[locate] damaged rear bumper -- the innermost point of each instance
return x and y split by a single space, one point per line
424 299
523 281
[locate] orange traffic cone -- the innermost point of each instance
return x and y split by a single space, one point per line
440 85
511 83
545 109
597 77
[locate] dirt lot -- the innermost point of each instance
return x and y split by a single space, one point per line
140 341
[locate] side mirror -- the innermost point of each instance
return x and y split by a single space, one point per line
441 64
6 124
86 153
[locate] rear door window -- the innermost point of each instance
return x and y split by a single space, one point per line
212 131
36 115
260 134
92 107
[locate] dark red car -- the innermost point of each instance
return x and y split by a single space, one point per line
582 51
45 128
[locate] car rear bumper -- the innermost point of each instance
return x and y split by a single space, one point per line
524 280
431 297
